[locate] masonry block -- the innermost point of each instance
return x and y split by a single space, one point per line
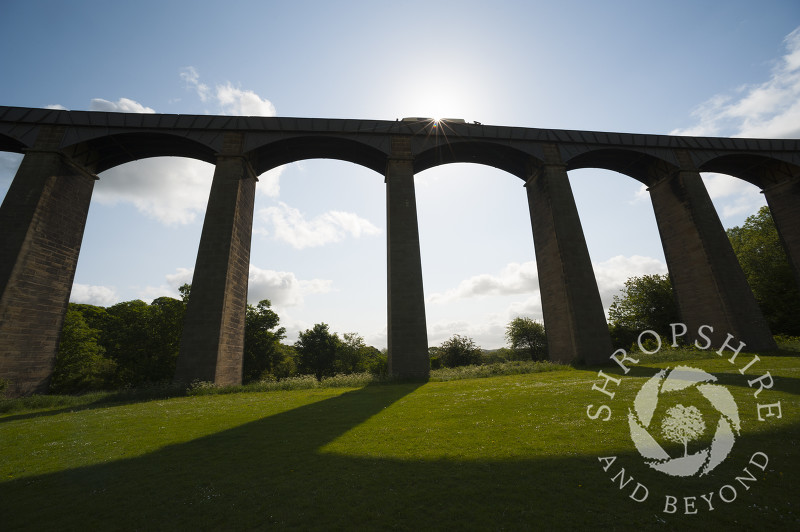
709 285
407 329
212 346
574 319
43 218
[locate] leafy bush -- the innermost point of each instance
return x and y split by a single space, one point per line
527 337
459 351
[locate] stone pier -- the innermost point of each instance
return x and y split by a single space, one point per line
407 330
212 346
42 218
573 313
709 285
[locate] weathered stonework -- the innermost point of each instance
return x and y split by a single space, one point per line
407 330
44 213
42 220
573 313
708 282
212 345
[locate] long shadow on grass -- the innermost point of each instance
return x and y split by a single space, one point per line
271 474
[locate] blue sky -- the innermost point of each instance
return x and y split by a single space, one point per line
319 250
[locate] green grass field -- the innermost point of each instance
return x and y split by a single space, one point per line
515 452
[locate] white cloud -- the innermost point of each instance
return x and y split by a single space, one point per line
123 105
102 296
513 279
283 289
235 101
169 189
55 107
180 278
290 225
229 99
768 110
269 183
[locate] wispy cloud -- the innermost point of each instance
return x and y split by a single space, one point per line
289 225
514 279
192 78
123 105
230 100
767 110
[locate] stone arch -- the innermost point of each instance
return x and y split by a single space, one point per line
643 167
708 283
760 170
779 181
503 157
107 151
277 153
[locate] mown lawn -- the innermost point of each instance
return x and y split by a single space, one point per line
501 453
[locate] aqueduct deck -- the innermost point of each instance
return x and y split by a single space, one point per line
43 216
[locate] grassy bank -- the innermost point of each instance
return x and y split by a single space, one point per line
509 452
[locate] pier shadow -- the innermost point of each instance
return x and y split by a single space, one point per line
273 473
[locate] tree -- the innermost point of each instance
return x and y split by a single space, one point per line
459 351
262 353
646 303
682 425
768 271
528 336
316 351
126 341
165 329
144 339
185 290
80 364
350 353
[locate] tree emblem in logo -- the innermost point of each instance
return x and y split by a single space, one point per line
682 424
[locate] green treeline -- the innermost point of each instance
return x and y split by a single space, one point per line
132 344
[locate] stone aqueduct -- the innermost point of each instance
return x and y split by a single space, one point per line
43 216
